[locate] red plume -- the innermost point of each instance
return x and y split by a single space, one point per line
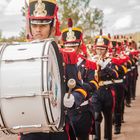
70 23
101 32
117 36
109 36
57 25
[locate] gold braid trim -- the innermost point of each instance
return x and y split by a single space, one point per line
95 83
81 91
125 69
116 73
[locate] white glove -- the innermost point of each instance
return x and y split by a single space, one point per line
103 64
68 102
127 53
106 62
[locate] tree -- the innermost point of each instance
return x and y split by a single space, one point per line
85 17
22 34
0 36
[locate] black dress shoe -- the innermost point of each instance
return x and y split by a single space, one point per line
117 130
128 105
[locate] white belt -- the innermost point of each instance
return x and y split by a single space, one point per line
118 81
84 103
128 69
133 67
103 83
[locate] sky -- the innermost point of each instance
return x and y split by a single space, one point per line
120 16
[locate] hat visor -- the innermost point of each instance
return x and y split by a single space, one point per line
75 44
101 46
41 21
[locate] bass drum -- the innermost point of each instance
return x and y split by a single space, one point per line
31 88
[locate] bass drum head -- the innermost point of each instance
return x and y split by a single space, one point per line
22 101
54 72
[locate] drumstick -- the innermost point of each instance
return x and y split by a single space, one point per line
71 84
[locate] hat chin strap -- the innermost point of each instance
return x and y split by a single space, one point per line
29 35
30 30
50 32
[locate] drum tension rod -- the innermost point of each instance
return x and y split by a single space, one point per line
27 126
45 58
53 123
46 94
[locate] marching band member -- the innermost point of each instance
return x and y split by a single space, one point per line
129 75
124 54
134 59
117 64
81 117
103 99
42 15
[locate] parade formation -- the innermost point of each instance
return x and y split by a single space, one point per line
65 91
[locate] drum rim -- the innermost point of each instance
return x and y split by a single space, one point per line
62 86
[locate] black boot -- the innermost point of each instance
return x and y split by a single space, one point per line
97 131
128 105
122 121
83 137
117 130
98 119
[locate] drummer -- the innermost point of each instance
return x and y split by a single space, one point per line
42 19
42 15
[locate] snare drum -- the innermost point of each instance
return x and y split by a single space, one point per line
31 88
